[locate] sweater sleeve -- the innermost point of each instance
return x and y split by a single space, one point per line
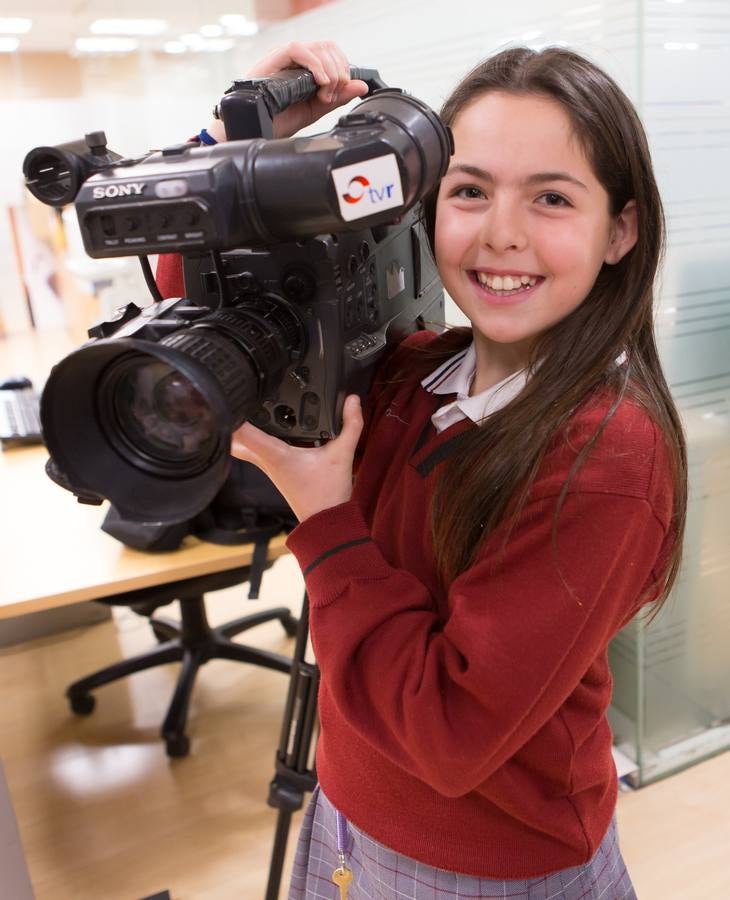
451 701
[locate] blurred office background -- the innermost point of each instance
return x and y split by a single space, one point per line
59 80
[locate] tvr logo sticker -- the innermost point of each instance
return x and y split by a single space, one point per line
368 187
359 188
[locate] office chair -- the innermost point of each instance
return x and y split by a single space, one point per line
192 641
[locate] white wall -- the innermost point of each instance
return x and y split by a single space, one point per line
159 104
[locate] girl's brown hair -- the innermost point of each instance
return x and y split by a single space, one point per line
491 475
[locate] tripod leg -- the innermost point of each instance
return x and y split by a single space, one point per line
283 823
293 776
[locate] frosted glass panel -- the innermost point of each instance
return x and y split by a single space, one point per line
672 695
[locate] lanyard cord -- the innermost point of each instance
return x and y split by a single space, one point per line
342 836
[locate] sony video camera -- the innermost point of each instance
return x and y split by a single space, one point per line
303 259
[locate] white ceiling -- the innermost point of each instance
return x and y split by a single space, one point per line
57 23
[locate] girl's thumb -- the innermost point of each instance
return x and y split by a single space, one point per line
352 422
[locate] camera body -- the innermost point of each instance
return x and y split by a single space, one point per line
303 260
354 294
345 299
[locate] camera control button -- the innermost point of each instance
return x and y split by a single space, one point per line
121 315
176 149
360 118
173 187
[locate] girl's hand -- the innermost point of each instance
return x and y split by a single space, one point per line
310 478
331 70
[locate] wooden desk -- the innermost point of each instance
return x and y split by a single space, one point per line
53 552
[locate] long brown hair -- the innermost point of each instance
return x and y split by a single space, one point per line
489 479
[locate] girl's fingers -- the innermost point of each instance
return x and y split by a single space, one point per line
290 56
337 68
343 64
256 446
331 67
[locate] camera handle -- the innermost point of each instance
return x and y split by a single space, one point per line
294 776
248 107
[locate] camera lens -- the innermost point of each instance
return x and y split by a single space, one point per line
147 424
159 415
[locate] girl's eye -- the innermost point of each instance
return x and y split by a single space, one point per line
554 200
469 193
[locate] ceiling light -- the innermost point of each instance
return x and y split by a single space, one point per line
132 27
194 41
15 26
106 45
239 25
198 43
211 31
217 45
175 47
8 44
230 21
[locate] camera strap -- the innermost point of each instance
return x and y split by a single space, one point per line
259 536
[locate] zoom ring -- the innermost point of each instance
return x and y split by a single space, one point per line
226 362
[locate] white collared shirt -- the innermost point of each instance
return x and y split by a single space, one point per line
455 377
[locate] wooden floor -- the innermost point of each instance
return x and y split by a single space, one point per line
104 815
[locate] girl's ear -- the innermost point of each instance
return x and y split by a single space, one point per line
623 234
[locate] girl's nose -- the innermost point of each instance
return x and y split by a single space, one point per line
503 228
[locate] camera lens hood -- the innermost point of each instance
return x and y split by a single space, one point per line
86 436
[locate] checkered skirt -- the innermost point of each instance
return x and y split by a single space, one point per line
381 874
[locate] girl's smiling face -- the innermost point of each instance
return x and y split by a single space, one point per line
523 226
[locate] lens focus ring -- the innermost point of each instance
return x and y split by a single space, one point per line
230 367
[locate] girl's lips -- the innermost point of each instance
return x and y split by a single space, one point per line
502 298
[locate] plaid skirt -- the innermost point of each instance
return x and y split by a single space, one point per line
381 874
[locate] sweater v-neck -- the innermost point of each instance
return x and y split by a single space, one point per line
433 447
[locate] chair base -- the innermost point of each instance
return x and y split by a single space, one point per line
192 642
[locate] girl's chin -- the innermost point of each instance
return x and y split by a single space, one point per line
503 339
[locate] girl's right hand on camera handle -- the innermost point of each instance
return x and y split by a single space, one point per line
331 70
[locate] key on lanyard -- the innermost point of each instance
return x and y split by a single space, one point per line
342 877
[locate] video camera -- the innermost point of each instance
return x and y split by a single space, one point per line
303 259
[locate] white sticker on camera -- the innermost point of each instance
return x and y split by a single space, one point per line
368 187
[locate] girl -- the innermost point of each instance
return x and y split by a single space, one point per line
519 496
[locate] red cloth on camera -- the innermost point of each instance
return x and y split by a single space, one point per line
169 275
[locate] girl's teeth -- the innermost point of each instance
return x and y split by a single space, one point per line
505 282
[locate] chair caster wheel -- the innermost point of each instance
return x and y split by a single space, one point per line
82 704
290 625
177 745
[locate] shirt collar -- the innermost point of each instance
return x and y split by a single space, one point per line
455 377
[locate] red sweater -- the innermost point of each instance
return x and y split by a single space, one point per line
466 727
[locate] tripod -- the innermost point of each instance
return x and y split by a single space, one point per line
294 777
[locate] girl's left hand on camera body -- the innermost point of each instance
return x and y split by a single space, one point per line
311 479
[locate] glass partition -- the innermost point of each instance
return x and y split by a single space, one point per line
672 677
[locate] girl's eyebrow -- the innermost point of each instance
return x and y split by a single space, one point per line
537 178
